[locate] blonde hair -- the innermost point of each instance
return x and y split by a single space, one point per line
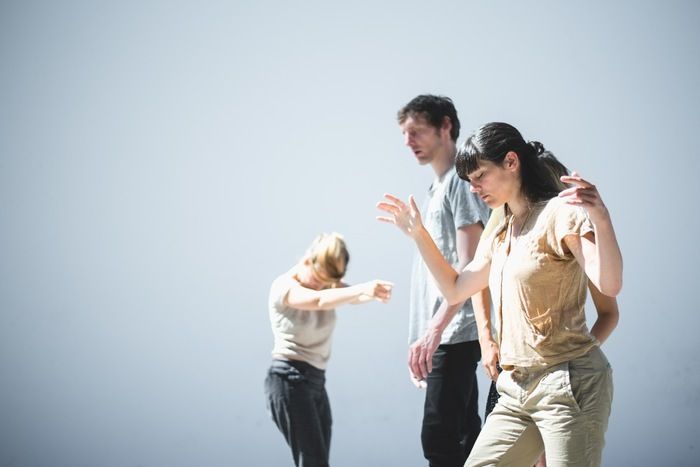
329 257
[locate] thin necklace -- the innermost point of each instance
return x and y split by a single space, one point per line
522 224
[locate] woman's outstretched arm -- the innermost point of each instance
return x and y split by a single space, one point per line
304 298
455 287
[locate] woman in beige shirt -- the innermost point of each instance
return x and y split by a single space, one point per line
606 307
556 387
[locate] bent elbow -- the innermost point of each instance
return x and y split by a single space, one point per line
613 289
453 298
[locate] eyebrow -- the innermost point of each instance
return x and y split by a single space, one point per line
475 172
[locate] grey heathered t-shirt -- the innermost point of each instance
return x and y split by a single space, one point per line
449 206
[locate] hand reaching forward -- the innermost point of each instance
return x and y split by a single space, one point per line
405 216
585 195
376 290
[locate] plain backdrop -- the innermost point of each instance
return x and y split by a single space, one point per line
162 161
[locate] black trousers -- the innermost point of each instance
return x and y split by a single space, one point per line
451 420
298 403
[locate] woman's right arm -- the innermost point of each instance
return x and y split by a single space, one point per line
304 298
455 287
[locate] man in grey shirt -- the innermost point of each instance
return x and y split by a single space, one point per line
445 348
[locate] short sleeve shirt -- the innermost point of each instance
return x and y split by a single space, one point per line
449 206
539 289
299 334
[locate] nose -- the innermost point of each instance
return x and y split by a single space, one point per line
472 188
407 140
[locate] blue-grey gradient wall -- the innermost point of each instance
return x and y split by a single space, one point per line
162 161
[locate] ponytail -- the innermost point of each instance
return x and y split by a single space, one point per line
493 141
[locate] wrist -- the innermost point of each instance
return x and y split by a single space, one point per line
601 219
435 328
486 339
419 232
359 290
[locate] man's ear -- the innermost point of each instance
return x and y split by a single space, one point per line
446 127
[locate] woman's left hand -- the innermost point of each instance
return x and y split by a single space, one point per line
405 216
585 195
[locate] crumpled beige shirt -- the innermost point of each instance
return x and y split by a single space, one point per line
539 290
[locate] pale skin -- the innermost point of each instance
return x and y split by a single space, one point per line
435 147
597 253
420 353
311 293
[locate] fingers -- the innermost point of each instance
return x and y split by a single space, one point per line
428 362
418 361
388 207
412 200
395 205
581 190
413 365
581 196
382 290
489 358
575 179
417 382
491 370
389 220
423 364
395 200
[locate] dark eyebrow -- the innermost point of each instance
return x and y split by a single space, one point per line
468 178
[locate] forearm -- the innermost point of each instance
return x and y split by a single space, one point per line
443 273
332 298
442 318
604 326
482 315
609 259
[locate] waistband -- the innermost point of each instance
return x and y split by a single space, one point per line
593 360
310 372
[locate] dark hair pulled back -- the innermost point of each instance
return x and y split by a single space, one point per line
493 141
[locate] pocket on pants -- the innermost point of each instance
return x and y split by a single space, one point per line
591 388
507 388
555 388
569 388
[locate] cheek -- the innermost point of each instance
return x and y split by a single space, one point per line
497 181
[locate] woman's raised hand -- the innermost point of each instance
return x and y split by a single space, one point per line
377 289
585 195
404 216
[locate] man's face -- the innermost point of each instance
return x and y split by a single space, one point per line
425 141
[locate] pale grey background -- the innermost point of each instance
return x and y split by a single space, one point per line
162 161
